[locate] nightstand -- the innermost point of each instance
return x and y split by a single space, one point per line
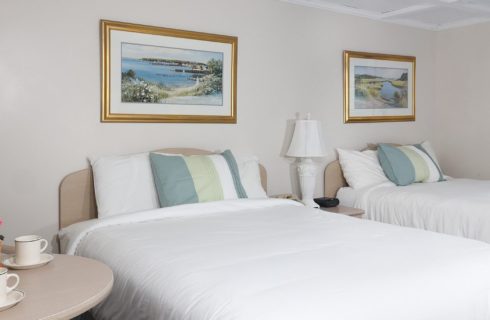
348 211
289 196
63 289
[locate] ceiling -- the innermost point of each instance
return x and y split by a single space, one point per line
426 14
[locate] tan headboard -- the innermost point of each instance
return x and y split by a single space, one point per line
77 196
333 179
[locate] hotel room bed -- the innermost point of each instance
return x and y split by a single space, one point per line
271 259
459 207
275 259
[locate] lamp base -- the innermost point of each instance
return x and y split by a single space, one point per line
307 181
310 203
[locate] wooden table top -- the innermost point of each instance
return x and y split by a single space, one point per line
344 210
64 288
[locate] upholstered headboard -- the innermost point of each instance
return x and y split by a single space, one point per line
77 196
333 179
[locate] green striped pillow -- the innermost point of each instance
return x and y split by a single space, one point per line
408 164
190 179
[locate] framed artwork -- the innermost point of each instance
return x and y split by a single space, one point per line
153 74
378 87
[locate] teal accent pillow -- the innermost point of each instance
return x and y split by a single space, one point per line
433 160
235 173
191 179
173 180
404 165
396 165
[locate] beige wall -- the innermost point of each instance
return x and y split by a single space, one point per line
462 113
290 60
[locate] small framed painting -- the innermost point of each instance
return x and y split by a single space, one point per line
153 74
378 87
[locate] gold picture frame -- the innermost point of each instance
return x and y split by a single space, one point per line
378 87
155 74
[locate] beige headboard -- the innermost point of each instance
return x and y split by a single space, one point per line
77 196
333 179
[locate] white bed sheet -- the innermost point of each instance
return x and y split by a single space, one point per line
270 259
458 207
348 196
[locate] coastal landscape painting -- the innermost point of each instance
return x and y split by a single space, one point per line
378 87
156 74
153 74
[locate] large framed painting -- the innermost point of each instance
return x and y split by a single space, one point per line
378 87
153 74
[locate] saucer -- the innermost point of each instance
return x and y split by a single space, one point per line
10 262
13 297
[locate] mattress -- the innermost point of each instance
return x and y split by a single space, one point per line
458 207
274 259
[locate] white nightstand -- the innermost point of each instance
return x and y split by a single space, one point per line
348 211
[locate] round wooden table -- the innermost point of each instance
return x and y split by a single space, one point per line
63 289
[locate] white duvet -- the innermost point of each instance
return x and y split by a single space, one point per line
459 207
273 259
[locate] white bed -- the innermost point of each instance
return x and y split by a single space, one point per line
458 207
274 259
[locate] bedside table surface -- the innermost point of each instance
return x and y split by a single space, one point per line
63 289
344 210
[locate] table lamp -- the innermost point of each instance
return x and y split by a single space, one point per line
307 143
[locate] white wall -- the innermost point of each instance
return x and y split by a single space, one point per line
462 113
290 59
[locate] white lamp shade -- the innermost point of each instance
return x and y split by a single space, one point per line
307 141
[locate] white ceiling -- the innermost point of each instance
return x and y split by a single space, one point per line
426 14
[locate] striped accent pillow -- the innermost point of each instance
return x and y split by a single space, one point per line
405 165
191 179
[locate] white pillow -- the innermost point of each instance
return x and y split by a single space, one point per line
123 184
361 168
250 177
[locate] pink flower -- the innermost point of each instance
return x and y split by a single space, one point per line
1 221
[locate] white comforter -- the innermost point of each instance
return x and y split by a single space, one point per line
459 207
270 259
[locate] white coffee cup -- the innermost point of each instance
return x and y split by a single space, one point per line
4 288
28 249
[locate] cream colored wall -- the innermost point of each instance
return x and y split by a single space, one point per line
290 59
462 113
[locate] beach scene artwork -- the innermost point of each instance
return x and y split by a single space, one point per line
164 75
381 88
